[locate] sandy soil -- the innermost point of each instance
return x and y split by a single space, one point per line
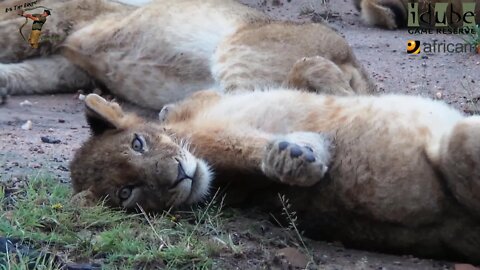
448 76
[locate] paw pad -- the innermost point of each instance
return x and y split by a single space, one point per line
297 163
282 145
295 151
309 157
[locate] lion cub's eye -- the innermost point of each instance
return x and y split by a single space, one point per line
137 144
125 193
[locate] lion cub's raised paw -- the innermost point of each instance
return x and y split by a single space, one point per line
299 159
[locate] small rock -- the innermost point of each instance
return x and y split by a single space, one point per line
28 125
61 120
7 245
276 3
48 139
293 256
35 165
439 95
25 103
84 198
81 97
13 248
63 168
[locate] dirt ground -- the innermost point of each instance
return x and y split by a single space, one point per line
448 76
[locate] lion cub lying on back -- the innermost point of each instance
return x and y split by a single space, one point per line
394 172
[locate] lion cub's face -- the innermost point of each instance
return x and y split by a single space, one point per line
129 162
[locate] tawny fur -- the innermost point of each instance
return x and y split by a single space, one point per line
161 52
392 14
403 171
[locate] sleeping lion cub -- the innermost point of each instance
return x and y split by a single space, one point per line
396 173
161 52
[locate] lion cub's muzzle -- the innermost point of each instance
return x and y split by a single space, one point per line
182 175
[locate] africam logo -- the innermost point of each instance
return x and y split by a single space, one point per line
415 47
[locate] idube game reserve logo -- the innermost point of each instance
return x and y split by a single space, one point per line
441 18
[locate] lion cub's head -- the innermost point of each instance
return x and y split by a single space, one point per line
130 162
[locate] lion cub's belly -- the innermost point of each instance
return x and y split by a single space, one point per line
385 158
384 146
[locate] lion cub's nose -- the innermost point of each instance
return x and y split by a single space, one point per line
182 175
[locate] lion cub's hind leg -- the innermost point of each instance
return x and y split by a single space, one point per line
460 162
299 158
320 75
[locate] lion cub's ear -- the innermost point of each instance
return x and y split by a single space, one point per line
103 115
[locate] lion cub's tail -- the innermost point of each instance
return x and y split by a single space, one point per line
390 14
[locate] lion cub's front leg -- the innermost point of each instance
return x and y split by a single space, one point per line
299 158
